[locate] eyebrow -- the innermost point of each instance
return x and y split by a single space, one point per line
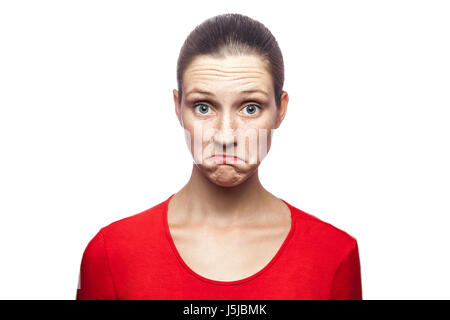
195 90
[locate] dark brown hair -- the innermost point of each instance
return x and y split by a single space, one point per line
233 34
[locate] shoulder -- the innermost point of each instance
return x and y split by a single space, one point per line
321 236
133 227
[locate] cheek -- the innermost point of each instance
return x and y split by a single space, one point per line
266 130
198 137
258 145
192 127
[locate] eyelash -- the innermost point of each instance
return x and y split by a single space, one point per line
196 104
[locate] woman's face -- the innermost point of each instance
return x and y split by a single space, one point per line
228 108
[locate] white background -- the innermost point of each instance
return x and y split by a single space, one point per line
88 132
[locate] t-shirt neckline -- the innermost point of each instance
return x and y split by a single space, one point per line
219 282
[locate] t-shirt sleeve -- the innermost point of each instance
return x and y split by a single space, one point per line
347 280
95 278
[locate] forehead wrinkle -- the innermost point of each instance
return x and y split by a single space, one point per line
247 77
222 73
203 83
207 76
229 61
213 83
241 81
228 78
249 64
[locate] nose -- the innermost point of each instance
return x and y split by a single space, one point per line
225 135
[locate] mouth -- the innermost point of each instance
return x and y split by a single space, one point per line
225 159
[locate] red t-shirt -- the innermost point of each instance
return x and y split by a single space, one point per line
135 258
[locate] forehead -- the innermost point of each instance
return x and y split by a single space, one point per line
230 73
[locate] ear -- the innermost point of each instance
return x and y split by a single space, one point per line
281 111
177 107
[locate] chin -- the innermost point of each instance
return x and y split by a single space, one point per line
227 181
227 175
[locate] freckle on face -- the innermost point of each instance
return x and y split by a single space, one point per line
225 79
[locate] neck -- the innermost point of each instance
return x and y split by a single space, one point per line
202 199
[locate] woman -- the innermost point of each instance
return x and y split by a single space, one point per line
223 235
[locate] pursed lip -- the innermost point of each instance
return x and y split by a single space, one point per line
226 157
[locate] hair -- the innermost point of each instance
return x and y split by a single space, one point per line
233 34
